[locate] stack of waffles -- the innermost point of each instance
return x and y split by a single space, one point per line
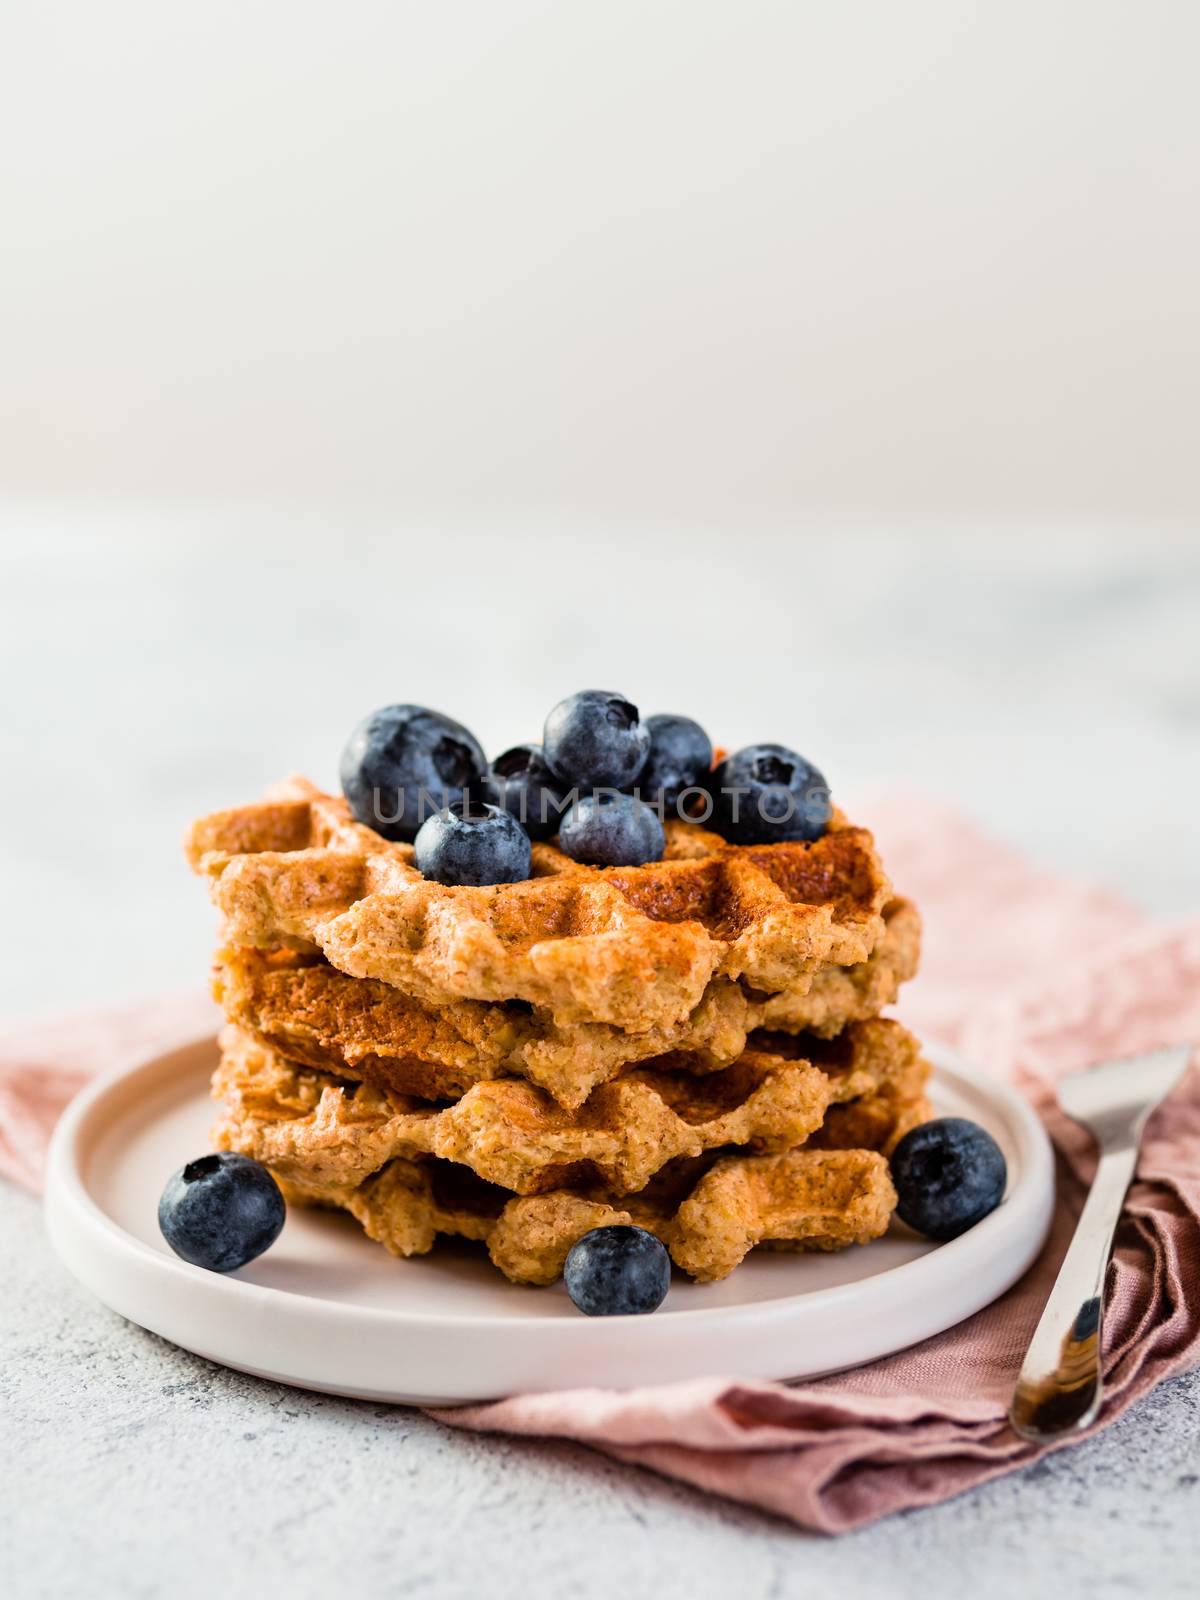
694 1045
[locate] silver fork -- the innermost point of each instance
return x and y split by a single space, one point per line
1060 1386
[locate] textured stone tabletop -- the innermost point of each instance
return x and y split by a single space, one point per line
164 660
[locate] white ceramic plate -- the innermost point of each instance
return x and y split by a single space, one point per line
327 1309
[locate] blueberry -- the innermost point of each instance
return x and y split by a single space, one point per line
595 739
617 1272
221 1211
472 843
523 784
402 763
611 830
766 793
949 1174
680 758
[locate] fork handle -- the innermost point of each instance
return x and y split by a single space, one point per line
1060 1385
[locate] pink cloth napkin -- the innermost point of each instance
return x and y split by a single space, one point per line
1025 974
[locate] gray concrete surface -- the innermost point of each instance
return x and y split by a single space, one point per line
135 1469
162 660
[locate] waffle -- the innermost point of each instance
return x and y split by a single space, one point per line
324 1133
799 1200
632 947
361 1028
876 1121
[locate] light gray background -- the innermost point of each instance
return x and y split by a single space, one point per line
666 256
162 659
827 371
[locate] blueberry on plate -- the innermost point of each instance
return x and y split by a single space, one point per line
949 1174
680 758
766 793
595 739
221 1211
521 782
472 843
611 830
617 1271
404 762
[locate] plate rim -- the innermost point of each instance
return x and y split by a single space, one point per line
67 1198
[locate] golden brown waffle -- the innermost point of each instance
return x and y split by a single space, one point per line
800 1200
324 1133
634 947
838 995
875 1122
874 1117
361 1028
